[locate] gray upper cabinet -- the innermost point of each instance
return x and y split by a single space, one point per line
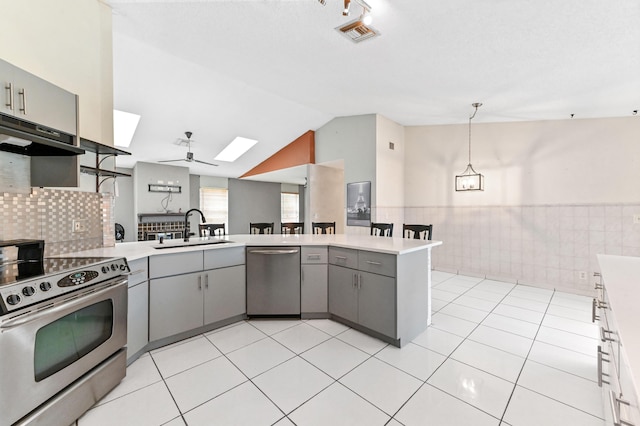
33 99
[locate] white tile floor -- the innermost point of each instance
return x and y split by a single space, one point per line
496 354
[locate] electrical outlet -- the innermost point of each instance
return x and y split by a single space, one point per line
79 225
582 275
636 218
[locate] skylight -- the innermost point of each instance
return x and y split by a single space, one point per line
124 126
235 149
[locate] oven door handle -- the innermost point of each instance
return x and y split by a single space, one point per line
69 305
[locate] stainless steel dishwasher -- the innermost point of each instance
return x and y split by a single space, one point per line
273 281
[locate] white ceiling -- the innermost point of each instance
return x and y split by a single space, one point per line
273 69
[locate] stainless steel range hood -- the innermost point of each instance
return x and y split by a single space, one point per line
26 138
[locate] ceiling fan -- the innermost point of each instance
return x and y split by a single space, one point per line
189 158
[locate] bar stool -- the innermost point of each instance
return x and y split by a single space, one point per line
417 231
323 227
382 229
292 228
261 228
214 228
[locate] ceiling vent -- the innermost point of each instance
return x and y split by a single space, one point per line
357 31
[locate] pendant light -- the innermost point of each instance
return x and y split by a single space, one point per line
470 180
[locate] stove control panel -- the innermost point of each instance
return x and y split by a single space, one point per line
26 293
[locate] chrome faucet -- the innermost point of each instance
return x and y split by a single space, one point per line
186 222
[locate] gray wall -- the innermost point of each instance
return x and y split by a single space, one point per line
352 139
251 201
150 202
124 210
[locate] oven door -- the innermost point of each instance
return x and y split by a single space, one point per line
51 346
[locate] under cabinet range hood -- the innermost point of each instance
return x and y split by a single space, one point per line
26 138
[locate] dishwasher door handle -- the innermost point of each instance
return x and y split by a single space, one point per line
274 251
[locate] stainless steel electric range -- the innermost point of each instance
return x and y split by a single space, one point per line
63 328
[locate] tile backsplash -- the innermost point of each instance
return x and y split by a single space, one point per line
552 246
49 214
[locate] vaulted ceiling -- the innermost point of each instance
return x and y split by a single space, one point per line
272 69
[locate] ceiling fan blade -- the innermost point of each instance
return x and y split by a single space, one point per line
204 162
169 161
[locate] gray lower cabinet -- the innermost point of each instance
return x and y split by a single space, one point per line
343 293
314 281
185 302
138 318
176 305
138 307
377 303
225 294
364 298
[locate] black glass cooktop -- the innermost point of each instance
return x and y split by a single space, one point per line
13 272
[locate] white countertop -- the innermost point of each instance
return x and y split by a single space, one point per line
137 250
621 277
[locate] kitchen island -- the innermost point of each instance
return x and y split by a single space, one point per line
380 286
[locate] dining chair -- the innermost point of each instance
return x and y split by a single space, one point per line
292 228
382 229
261 228
323 227
417 232
214 228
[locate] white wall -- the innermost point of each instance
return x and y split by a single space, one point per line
34 32
325 197
530 163
557 193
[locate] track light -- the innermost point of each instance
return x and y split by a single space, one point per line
322 2
347 5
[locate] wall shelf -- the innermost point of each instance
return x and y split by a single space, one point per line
102 153
159 187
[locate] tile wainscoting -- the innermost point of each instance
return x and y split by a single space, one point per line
546 246
48 214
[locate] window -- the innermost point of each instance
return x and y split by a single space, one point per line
289 207
214 203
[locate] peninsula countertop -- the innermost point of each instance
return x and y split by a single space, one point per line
140 249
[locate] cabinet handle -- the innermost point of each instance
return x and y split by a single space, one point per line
359 281
206 281
343 258
599 286
615 409
603 335
23 95
602 305
9 88
313 257
199 282
354 279
594 305
600 361
371 262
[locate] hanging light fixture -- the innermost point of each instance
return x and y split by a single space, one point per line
470 180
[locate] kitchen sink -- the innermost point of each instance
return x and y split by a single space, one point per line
191 243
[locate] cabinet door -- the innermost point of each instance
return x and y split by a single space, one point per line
343 295
7 72
314 288
138 318
377 303
38 101
175 305
225 293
